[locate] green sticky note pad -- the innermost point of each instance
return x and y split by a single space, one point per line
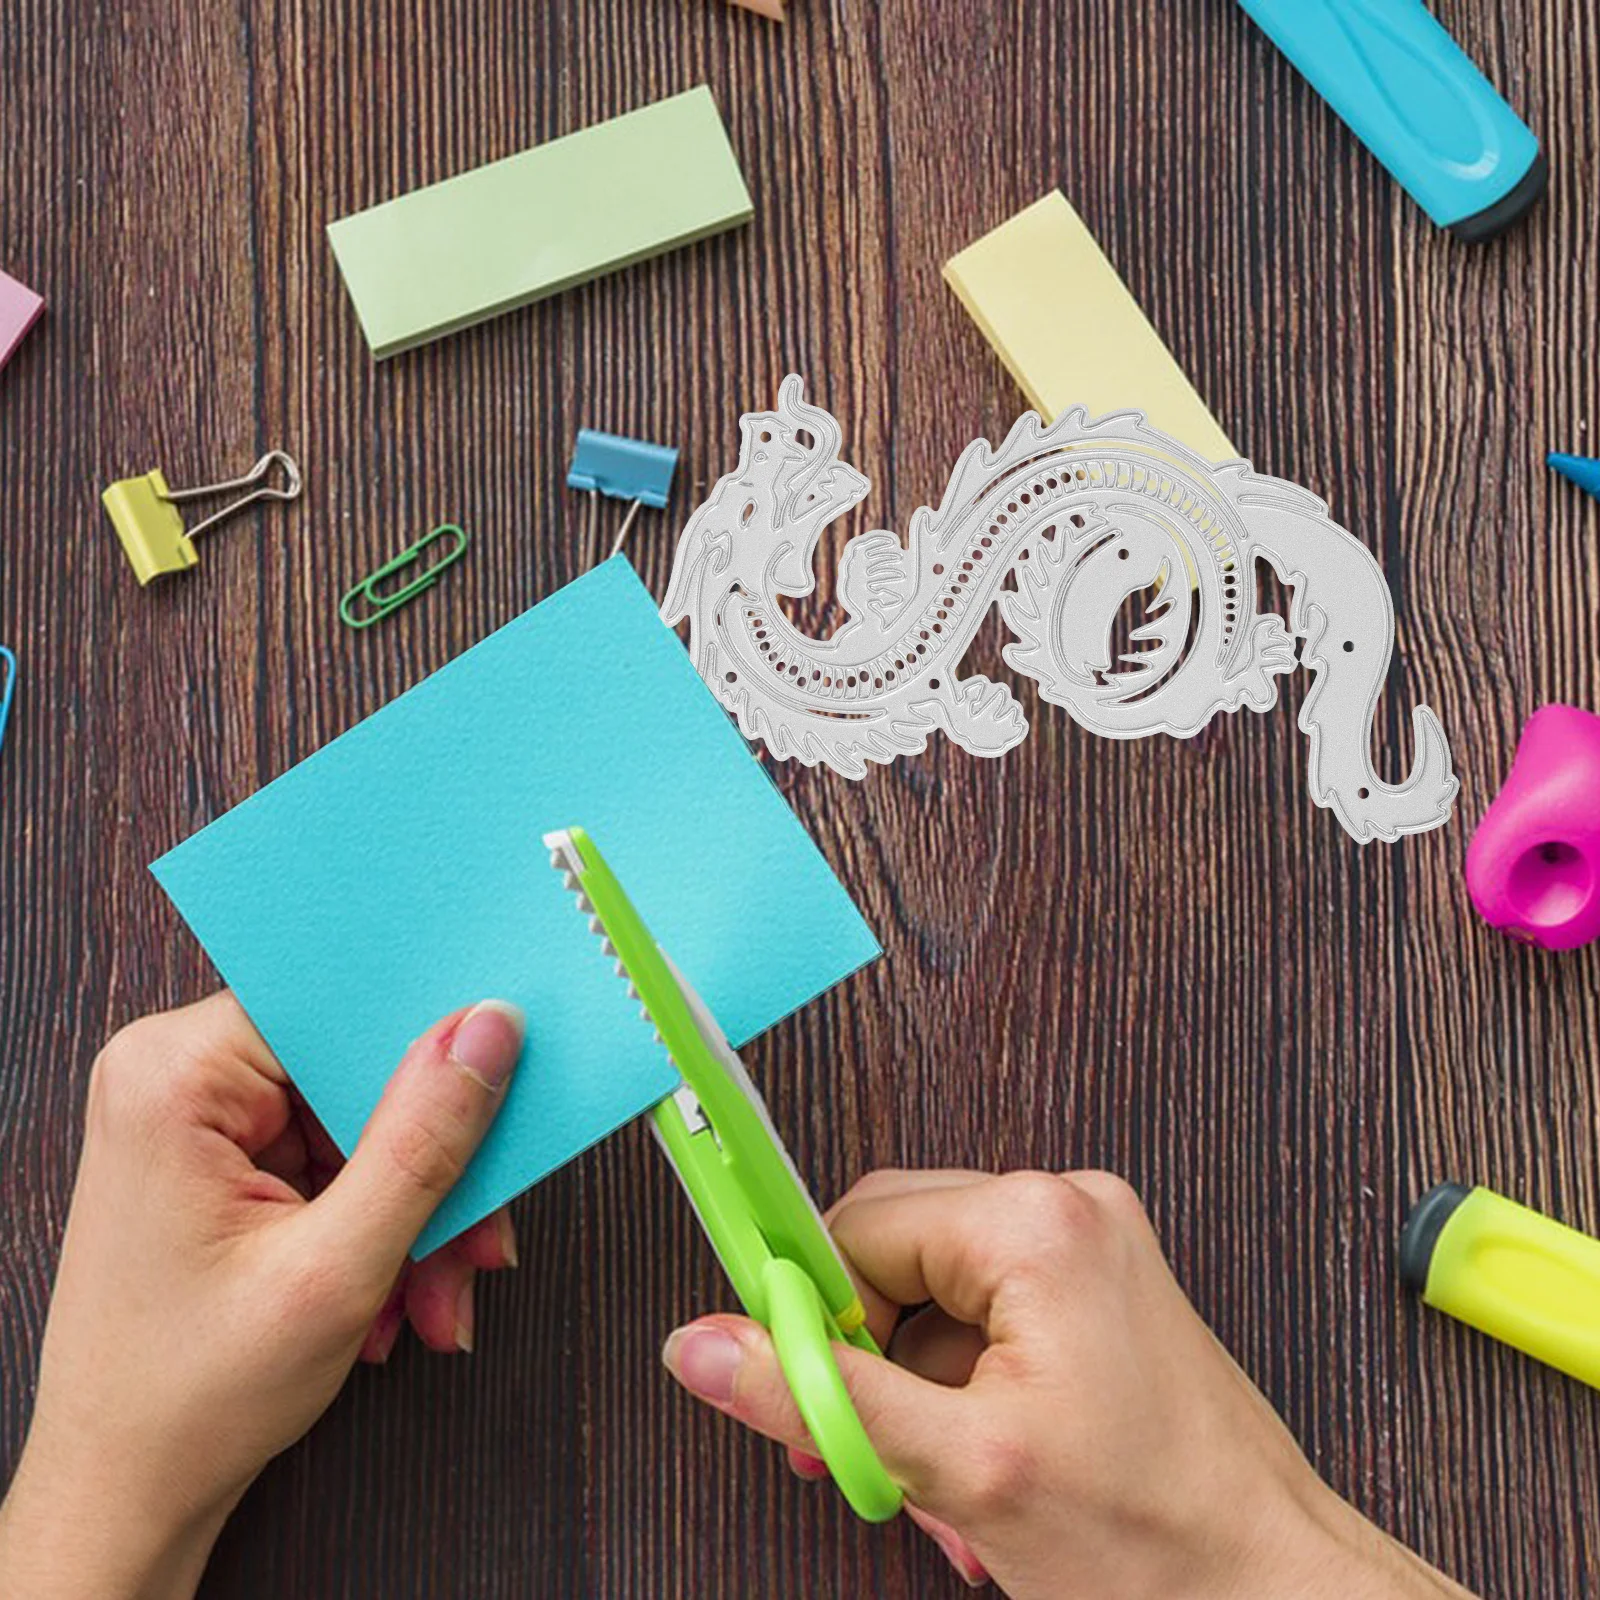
505 235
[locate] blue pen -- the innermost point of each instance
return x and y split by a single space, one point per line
1418 102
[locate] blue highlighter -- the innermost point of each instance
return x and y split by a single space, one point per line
1418 102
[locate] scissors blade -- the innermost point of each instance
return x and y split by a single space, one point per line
725 1101
723 1056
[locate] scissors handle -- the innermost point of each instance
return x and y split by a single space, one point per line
801 1329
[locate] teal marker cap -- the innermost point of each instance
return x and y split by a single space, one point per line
1418 102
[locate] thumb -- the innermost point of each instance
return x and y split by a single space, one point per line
914 1424
433 1115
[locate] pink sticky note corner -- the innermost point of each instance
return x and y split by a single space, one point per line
19 310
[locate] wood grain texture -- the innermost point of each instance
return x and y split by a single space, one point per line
1154 957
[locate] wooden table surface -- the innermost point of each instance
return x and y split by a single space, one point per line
1158 957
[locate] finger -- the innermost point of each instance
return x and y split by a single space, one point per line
202 1065
433 1115
439 1301
285 1157
488 1245
885 1183
218 1025
321 1151
805 1465
730 1363
944 1351
324 1159
883 1314
958 1552
935 1346
960 1246
379 1343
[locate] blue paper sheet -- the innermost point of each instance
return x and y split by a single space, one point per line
400 873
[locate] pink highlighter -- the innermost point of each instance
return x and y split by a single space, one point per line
1533 867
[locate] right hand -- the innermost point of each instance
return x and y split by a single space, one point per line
1057 1412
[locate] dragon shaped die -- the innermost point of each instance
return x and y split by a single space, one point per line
1061 527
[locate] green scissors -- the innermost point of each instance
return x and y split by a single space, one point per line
756 1212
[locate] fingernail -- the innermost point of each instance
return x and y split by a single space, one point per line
957 1552
464 1319
385 1336
488 1040
386 1326
705 1361
508 1239
808 1466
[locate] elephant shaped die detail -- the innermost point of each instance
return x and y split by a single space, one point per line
1086 515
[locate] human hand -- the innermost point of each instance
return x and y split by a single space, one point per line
1057 1413
221 1273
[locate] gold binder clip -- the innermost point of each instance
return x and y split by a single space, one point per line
142 510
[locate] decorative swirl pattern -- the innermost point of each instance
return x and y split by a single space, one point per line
1062 526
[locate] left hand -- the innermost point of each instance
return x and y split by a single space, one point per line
219 1278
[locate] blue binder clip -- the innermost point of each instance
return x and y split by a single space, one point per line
7 690
622 469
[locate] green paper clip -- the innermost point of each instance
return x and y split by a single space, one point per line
759 1218
383 604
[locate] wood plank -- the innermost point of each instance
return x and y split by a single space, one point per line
1156 957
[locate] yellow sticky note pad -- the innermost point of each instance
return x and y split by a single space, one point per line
1069 331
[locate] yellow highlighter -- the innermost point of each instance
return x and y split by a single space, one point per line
1512 1273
